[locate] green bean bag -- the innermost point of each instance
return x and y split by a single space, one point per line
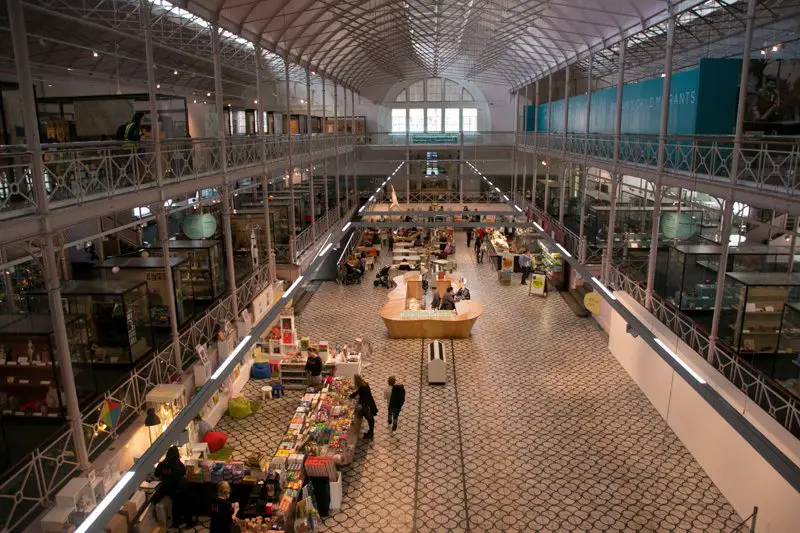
239 408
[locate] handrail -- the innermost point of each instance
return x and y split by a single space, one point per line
34 482
748 524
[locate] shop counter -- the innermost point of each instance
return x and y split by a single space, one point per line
405 324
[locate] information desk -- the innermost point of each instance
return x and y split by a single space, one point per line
404 323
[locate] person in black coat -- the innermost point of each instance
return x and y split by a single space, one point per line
314 369
368 406
395 397
223 512
172 474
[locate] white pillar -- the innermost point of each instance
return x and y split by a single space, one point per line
52 280
336 133
309 131
292 221
727 214
658 189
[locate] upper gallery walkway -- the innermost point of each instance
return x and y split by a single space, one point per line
109 177
767 166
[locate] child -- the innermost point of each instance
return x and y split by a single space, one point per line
395 397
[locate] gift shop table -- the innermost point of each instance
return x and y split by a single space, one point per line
404 318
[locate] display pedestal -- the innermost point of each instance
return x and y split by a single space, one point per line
336 493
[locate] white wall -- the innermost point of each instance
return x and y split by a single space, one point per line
743 476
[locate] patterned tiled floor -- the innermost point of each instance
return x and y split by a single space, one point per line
537 429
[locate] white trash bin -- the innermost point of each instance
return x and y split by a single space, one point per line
437 366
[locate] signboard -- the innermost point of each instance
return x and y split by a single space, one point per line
592 301
678 225
434 138
507 264
537 284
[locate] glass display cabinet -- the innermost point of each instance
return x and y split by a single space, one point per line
29 377
556 268
152 271
787 364
117 317
688 279
751 323
203 274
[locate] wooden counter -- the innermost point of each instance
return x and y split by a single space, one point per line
447 327
455 327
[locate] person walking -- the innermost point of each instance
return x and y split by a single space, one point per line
391 240
314 369
368 406
525 265
478 243
469 236
395 398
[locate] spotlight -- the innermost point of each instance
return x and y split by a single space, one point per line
95 54
544 163
208 94
115 269
158 85
763 52
175 72
776 47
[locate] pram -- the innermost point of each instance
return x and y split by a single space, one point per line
351 275
382 278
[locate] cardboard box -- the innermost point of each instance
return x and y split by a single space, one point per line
128 511
160 527
118 524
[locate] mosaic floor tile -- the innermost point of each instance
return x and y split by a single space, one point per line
537 429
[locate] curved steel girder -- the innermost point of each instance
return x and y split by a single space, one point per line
363 64
364 60
480 65
287 25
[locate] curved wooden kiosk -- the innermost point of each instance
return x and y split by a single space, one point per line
403 323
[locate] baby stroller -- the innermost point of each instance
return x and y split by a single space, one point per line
352 275
382 278
462 294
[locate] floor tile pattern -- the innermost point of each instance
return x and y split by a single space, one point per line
537 429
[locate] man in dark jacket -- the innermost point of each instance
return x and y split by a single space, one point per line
395 396
314 369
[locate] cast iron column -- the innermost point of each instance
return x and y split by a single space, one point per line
325 163
615 176
261 102
53 282
292 221
585 167
658 189
336 136
727 214
313 202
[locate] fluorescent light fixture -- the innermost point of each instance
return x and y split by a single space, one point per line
378 189
325 250
680 361
604 288
517 208
497 189
292 287
87 524
563 250
362 208
228 360
371 198
389 178
346 226
505 198
490 183
537 226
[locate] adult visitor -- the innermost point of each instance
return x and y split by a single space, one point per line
395 395
223 512
469 236
449 300
314 368
368 406
172 474
525 265
131 131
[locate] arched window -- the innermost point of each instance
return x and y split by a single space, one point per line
447 115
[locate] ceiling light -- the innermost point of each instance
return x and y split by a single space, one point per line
158 85
255 101
776 47
663 75
544 163
194 101
95 54
763 52
69 69
175 72
208 94
302 101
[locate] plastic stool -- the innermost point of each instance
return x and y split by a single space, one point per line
266 392
277 390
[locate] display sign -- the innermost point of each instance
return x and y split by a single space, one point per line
507 264
434 138
592 301
678 225
537 284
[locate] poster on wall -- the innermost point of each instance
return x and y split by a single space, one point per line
773 97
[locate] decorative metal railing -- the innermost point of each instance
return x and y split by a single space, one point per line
766 393
34 482
485 138
769 164
76 173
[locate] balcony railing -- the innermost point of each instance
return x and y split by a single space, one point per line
766 393
768 164
76 173
485 138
